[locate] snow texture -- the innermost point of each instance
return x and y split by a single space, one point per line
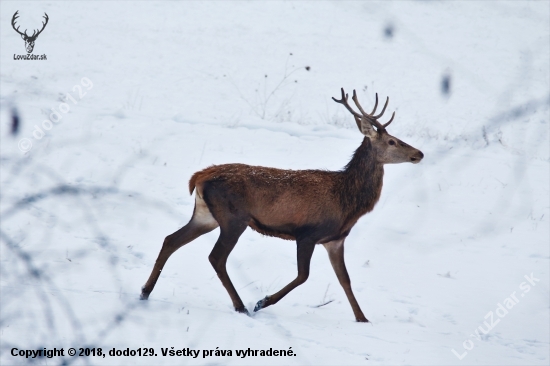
163 89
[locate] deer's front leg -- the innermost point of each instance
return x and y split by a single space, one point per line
304 252
335 251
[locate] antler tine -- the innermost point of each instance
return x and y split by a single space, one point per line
356 101
344 101
388 123
375 105
383 109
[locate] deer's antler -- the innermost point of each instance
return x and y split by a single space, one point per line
344 101
15 16
368 116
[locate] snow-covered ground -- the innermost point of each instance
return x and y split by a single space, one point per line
163 89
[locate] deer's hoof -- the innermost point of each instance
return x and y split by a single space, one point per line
260 304
362 320
144 295
242 310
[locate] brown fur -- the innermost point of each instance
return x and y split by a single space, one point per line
281 202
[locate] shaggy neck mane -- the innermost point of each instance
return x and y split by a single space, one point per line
361 181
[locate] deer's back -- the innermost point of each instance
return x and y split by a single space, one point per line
275 202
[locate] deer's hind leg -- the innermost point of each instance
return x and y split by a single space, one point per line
201 223
229 235
227 209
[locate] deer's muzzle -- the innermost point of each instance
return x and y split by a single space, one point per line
415 158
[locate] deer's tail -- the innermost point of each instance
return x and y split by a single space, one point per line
193 181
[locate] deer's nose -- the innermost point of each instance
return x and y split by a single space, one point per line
417 157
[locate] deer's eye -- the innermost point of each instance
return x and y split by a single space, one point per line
391 142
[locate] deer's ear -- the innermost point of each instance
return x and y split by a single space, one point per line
366 127
23 36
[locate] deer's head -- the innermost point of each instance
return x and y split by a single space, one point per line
388 149
29 40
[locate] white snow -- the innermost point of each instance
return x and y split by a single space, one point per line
179 86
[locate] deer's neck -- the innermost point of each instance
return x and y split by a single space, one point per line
361 181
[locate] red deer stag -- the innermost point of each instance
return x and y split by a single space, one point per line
309 206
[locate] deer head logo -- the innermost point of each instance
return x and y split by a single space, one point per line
29 40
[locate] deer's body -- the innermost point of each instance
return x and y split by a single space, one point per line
289 203
309 206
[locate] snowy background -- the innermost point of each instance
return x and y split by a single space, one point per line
178 86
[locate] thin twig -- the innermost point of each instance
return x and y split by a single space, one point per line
323 304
